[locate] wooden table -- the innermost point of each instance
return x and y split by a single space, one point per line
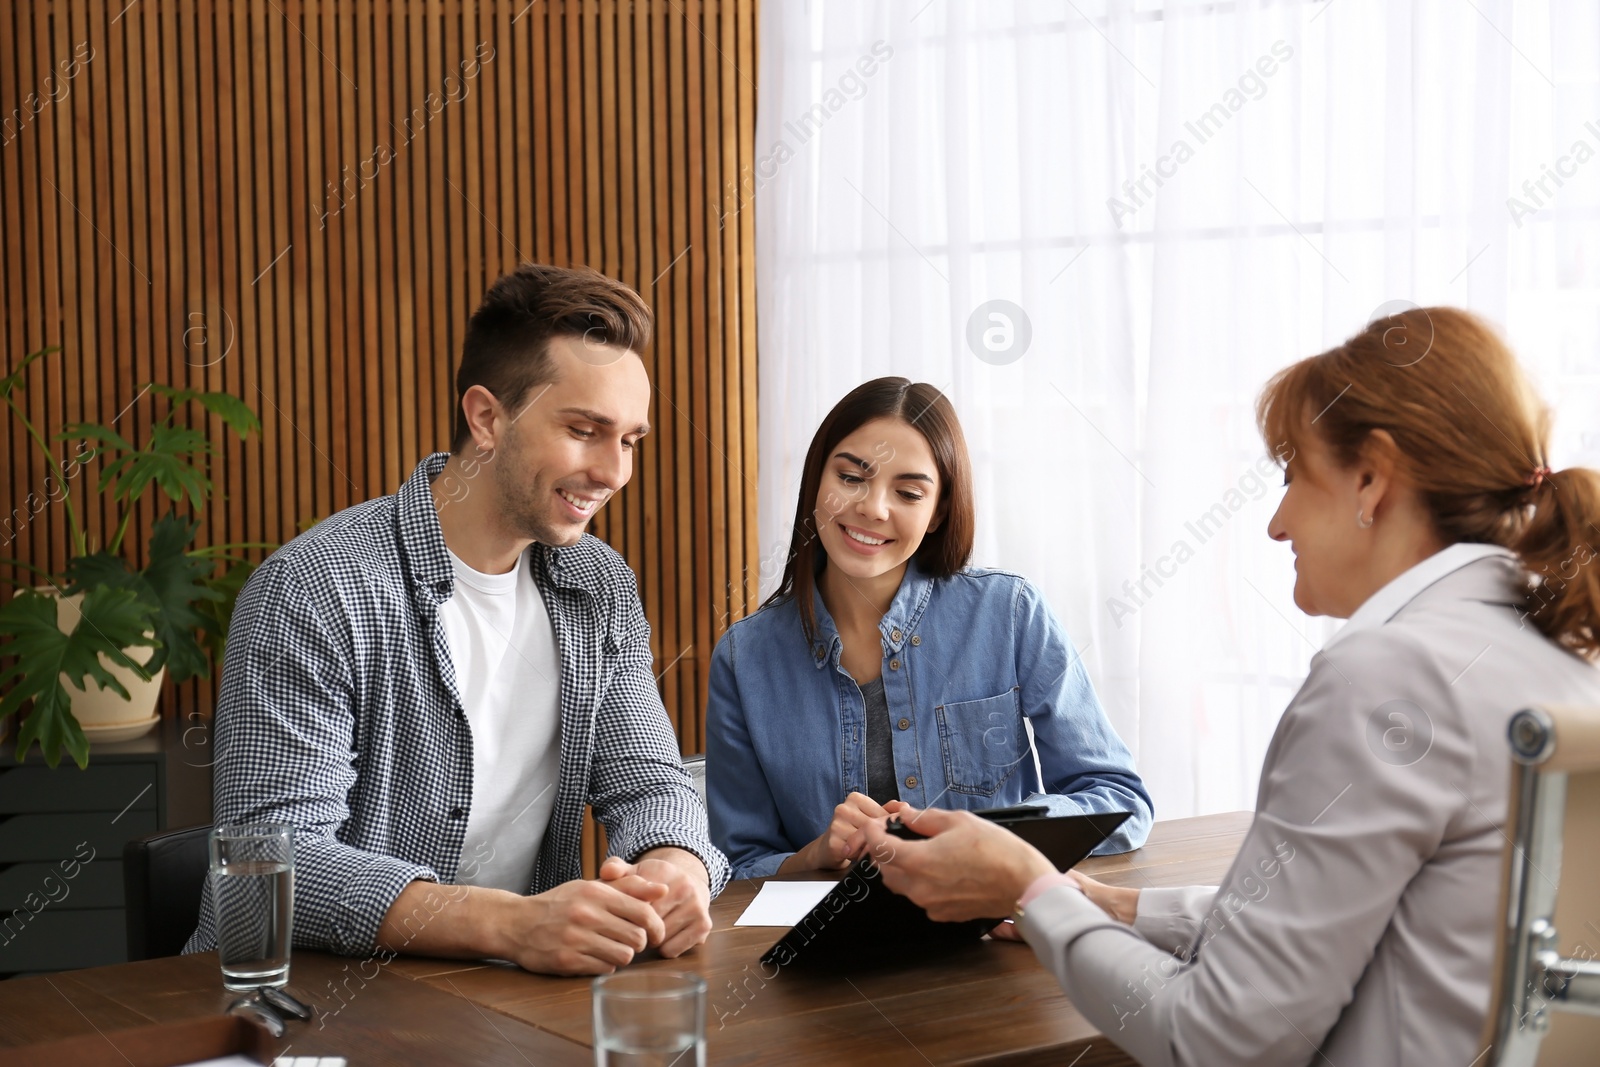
991 1003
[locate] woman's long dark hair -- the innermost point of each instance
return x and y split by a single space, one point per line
944 551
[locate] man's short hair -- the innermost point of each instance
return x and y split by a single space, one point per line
507 349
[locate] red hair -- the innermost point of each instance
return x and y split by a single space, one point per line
1473 437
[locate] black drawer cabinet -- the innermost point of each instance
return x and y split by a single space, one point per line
61 838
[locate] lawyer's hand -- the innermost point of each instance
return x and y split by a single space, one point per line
966 868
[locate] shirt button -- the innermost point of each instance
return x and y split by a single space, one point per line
441 587
916 639
911 783
458 813
819 651
894 665
894 635
905 724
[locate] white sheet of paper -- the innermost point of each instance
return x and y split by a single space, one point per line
784 903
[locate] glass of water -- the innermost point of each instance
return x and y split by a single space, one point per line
252 894
649 1019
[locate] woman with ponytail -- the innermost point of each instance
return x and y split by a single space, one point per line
1357 924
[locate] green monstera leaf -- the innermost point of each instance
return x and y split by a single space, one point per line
110 621
174 584
164 462
229 408
173 460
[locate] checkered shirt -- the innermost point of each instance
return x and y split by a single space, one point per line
339 714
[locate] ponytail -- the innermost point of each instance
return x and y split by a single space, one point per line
1558 544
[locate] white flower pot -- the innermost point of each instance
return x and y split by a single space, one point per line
97 708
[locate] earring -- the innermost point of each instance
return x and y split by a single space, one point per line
1362 521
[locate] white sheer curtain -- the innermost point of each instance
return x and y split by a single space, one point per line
1180 198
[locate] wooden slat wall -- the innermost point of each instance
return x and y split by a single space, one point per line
202 201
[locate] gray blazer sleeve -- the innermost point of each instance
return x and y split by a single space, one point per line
1342 826
1170 919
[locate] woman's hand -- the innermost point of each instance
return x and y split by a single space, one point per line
1119 902
832 849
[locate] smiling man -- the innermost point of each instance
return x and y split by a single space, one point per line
430 686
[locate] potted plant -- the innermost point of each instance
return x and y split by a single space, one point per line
92 644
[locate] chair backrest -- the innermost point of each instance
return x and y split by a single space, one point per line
1547 968
696 766
162 875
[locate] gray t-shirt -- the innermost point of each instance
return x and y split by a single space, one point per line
882 784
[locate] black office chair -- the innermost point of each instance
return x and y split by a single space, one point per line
162 875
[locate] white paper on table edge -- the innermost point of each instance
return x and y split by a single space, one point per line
786 903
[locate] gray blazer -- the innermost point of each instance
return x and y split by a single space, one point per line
1357 924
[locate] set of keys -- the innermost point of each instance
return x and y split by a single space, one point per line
268 1005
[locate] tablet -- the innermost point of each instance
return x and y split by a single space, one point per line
862 921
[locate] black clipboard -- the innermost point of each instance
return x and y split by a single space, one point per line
861 920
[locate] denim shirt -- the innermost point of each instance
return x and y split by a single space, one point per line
970 663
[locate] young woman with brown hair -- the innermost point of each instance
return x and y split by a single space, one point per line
884 670
1357 924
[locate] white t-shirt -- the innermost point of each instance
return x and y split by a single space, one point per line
508 672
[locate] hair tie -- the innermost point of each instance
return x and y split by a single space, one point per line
1534 480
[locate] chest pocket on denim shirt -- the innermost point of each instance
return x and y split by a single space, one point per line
983 742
